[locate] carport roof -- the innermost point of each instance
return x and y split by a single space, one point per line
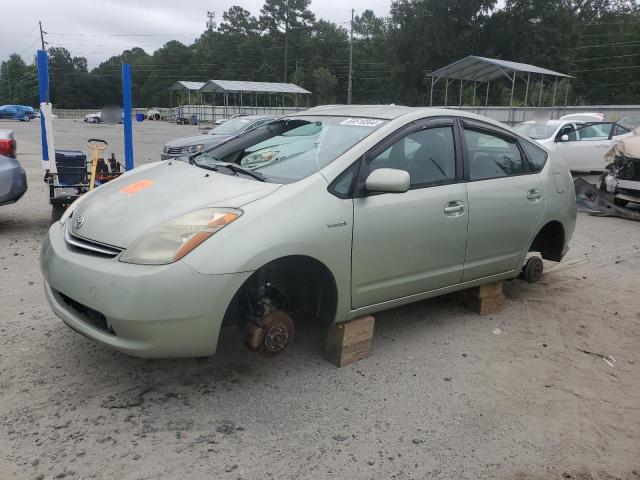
481 69
237 86
184 85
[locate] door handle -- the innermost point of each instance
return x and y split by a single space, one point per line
534 194
454 209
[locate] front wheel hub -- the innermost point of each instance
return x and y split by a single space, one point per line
270 335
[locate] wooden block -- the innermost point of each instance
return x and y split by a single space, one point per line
487 305
487 290
349 342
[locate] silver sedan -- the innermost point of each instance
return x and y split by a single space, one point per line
13 180
332 213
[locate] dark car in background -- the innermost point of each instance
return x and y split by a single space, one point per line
13 179
17 112
185 146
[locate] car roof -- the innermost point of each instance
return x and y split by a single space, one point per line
554 122
253 117
386 112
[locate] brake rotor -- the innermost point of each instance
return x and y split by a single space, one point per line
271 335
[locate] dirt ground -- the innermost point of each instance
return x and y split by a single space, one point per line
445 394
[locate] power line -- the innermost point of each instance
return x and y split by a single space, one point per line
605 58
606 68
124 34
636 43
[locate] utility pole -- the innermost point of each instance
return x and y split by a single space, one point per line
286 39
211 20
350 88
42 36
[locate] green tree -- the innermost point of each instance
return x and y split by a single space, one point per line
18 82
238 21
325 83
368 25
282 16
68 79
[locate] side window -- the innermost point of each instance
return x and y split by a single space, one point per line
341 186
491 156
428 155
595 131
569 131
537 156
619 130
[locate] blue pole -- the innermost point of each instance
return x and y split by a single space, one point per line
43 89
128 128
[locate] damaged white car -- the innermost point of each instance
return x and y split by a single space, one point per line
618 192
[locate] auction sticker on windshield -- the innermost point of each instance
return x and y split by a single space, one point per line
361 122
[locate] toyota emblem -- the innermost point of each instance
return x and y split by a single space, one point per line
78 222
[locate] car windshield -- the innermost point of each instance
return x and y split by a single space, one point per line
536 131
630 121
303 146
232 127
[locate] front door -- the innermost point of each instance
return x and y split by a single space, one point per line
586 148
506 203
412 242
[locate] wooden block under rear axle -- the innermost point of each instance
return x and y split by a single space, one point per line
350 341
485 299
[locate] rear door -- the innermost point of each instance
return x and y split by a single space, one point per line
411 242
506 200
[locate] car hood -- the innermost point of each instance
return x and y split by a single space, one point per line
118 212
207 139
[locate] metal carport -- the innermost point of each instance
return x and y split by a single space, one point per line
485 70
252 89
183 85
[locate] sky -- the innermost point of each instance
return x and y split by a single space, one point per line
99 29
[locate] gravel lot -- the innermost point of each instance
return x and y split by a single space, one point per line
446 394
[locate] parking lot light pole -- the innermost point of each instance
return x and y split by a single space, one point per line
128 128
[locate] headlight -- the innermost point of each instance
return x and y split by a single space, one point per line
193 148
175 239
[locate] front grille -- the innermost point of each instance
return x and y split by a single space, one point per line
89 246
89 315
173 150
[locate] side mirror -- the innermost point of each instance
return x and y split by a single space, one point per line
388 180
564 138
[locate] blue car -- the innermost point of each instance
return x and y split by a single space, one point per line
17 112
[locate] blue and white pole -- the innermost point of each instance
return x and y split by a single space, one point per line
46 113
128 127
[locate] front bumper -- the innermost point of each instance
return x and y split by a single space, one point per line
141 310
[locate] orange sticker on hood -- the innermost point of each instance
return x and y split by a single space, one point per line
137 186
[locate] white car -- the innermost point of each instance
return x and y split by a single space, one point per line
581 145
584 117
93 117
547 132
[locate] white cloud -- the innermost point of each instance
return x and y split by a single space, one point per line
99 29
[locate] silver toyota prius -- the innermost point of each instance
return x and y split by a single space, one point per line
333 213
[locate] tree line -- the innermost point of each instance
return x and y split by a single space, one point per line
596 41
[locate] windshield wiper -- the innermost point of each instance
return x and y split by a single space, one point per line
247 171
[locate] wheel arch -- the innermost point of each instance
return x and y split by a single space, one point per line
550 241
306 283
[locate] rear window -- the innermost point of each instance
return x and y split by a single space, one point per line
536 156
